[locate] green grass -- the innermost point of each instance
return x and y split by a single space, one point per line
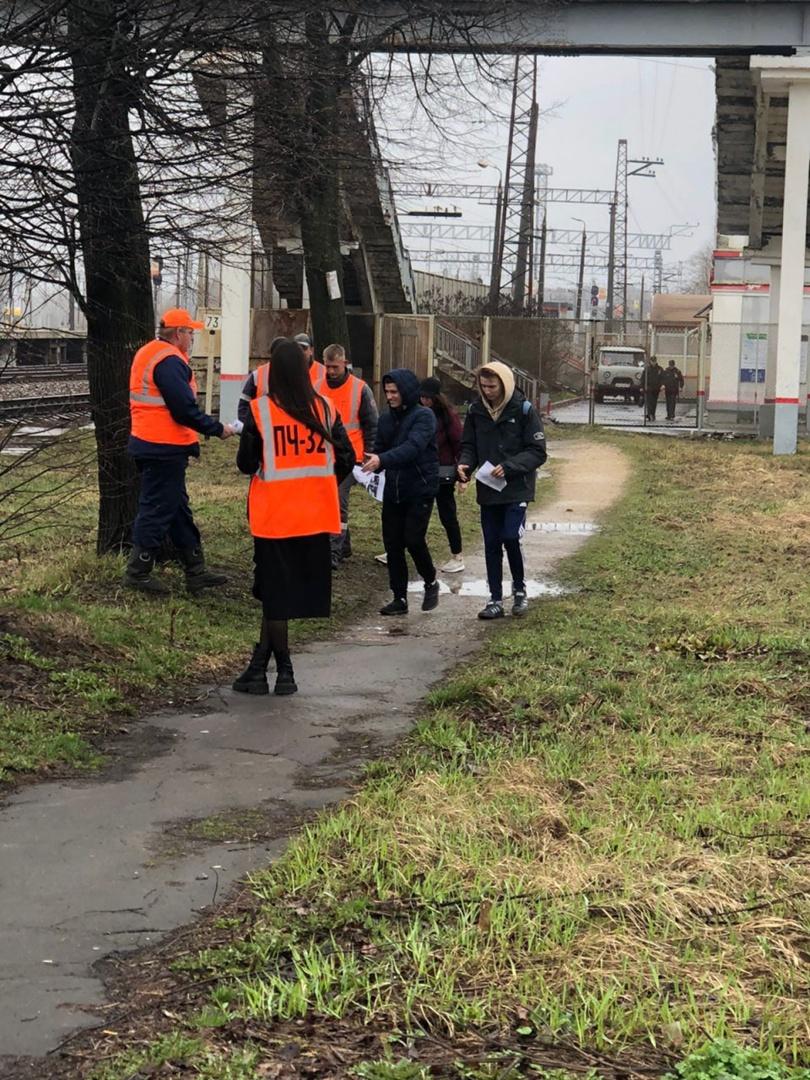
597 836
79 652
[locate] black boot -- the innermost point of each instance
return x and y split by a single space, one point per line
253 679
138 573
285 678
197 577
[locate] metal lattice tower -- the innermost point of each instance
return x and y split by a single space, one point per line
619 224
517 219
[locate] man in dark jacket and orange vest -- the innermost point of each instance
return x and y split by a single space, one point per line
354 402
166 421
502 429
405 448
257 381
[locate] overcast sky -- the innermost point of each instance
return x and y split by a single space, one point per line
663 107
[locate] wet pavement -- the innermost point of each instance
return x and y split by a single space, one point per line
94 866
630 417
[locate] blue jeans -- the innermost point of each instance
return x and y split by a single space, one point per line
502 525
163 507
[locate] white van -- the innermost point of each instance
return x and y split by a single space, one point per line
620 373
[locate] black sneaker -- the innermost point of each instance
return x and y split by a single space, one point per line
396 607
493 610
431 599
520 603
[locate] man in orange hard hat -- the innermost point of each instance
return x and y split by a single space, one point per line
166 422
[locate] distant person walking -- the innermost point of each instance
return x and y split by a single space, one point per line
653 376
166 423
257 381
295 450
354 402
448 444
673 382
405 448
502 429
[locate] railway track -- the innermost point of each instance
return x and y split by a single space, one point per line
51 406
42 374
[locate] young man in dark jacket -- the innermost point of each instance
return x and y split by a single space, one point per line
503 429
653 378
405 447
673 381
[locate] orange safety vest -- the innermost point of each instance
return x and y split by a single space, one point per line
294 492
317 375
149 415
346 399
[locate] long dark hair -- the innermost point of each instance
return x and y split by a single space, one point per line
290 387
443 410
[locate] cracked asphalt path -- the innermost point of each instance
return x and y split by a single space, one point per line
93 866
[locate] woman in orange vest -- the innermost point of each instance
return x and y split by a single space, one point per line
296 450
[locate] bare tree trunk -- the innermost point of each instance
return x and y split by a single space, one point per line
118 302
320 191
297 159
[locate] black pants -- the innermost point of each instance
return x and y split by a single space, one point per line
672 398
163 507
448 516
651 402
404 527
502 526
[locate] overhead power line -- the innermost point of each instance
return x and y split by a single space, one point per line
594 260
440 231
489 193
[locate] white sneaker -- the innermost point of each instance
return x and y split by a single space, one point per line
382 559
454 566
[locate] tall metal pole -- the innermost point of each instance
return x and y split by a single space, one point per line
507 184
641 301
581 279
611 267
621 225
523 261
516 219
541 273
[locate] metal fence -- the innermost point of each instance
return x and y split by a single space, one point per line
450 347
725 368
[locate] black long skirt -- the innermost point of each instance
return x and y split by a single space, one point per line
293 577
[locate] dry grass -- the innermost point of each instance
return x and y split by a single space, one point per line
598 836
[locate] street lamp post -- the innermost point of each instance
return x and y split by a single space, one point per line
497 243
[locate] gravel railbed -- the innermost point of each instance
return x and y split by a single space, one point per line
51 388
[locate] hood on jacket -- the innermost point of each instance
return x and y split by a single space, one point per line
504 373
407 383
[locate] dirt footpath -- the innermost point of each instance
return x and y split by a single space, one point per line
91 867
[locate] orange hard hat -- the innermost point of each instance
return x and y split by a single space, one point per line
178 317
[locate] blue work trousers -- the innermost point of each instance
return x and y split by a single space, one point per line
163 508
502 525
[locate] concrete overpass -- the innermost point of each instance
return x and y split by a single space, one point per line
617 27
